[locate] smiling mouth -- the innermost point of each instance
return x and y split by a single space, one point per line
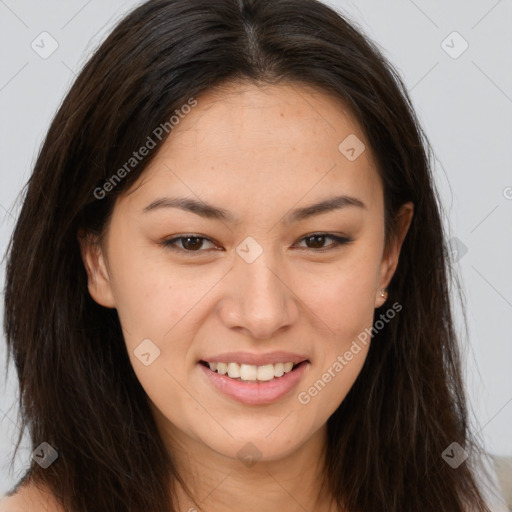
252 373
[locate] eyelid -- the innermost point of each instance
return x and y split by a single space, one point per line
339 240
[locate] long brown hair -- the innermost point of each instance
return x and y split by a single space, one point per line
78 391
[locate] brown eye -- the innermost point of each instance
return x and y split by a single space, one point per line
189 243
192 243
316 241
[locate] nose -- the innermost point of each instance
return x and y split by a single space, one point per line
258 298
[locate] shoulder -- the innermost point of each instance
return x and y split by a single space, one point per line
30 498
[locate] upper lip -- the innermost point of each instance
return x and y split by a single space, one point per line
256 359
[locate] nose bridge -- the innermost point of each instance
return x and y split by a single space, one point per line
259 280
259 299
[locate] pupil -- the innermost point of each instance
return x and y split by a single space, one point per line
195 245
319 239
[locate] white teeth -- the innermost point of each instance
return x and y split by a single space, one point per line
266 372
233 370
278 370
287 367
250 372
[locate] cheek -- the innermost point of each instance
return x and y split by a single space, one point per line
165 305
153 312
343 296
151 297
344 299
143 303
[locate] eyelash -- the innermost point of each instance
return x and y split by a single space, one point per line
170 243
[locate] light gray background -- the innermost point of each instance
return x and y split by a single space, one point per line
464 103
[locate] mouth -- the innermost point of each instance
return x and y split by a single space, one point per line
252 373
255 385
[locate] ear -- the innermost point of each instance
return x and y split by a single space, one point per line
392 252
98 278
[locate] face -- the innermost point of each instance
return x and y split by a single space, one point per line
217 255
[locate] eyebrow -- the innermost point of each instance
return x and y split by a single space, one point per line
209 211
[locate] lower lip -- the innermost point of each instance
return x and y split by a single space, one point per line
256 393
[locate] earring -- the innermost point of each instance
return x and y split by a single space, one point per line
384 293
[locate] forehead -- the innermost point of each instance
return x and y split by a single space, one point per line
243 138
284 116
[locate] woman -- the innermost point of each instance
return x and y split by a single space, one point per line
228 285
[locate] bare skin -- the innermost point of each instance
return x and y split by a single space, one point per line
258 153
30 498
